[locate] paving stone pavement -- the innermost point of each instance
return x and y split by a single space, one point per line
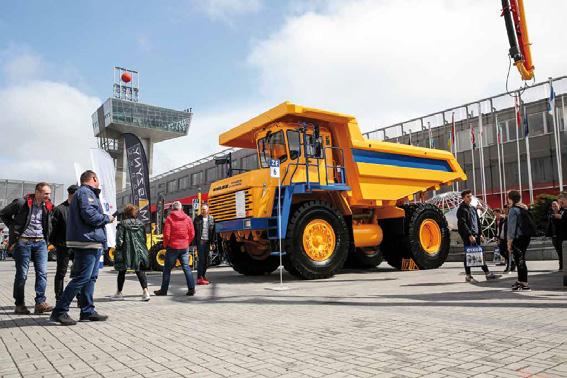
357 324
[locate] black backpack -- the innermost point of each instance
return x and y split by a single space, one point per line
526 223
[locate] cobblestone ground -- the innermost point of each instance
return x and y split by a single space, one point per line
357 324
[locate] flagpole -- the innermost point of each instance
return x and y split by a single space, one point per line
472 154
498 138
481 137
556 133
527 139
517 109
503 166
430 145
456 141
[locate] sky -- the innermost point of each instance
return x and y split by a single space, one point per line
384 61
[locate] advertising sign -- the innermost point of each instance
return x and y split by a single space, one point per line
139 175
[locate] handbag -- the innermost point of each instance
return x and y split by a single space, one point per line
474 256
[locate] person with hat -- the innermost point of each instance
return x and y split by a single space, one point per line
58 238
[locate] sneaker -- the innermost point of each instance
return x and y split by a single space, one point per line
94 317
146 296
470 279
42 308
190 292
206 280
202 281
21 310
160 293
490 276
63 318
518 286
117 297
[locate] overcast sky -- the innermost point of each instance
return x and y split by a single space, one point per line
383 61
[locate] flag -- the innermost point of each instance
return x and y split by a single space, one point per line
517 108
139 176
526 126
103 165
453 128
551 99
473 140
498 135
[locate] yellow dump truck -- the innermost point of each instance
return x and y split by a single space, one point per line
343 197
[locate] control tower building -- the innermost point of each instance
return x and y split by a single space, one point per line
122 113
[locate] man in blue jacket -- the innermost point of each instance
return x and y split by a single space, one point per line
86 235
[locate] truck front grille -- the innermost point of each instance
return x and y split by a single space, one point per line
224 206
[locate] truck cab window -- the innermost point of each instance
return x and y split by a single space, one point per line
272 147
311 149
294 144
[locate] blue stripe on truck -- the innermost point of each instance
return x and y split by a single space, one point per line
385 158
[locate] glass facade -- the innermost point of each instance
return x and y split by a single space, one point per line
141 115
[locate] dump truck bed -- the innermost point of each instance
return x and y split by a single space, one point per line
378 173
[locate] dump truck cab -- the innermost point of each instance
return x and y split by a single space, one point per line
339 196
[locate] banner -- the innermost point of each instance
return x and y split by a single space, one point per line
103 165
139 175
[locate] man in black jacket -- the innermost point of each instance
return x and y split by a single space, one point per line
29 222
58 238
204 234
470 230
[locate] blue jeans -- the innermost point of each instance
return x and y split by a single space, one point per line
203 247
25 251
85 269
170 257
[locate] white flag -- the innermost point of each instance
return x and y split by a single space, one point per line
103 165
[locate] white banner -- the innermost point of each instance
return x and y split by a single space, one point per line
103 165
78 171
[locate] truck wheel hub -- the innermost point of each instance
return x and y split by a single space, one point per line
430 236
319 240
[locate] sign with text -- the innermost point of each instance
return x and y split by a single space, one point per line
474 256
275 168
139 175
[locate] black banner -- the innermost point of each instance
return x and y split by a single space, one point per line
139 175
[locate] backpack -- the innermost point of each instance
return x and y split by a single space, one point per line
526 223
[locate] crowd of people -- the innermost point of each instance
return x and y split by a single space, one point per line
514 228
76 228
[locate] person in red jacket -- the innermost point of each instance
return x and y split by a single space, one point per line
178 233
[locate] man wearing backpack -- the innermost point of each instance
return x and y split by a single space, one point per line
521 227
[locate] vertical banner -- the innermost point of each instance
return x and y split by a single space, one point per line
103 165
139 175
78 171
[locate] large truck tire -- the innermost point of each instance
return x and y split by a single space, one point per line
394 251
317 241
395 246
242 263
157 257
428 237
364 258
